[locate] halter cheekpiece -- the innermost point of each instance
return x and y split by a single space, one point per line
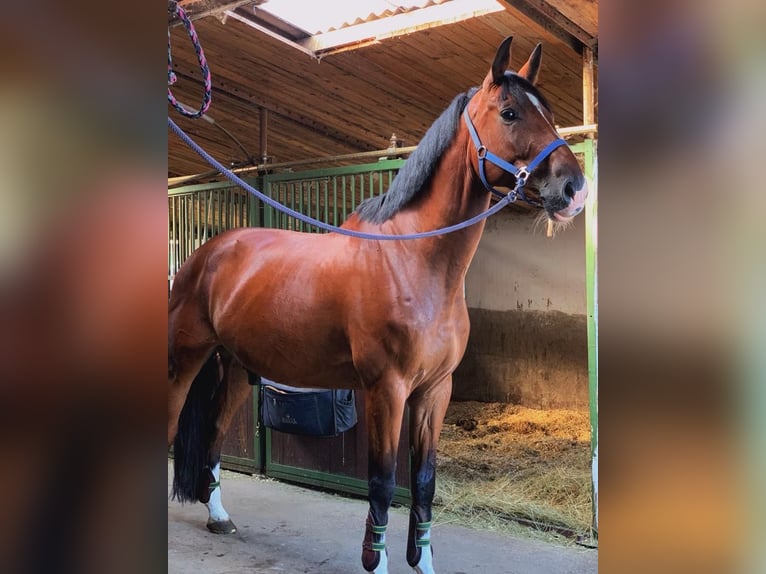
520 173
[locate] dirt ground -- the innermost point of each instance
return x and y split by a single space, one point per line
520 464
498 465
285 528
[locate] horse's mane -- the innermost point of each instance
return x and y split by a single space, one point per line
419 167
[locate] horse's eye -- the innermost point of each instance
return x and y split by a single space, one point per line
508 114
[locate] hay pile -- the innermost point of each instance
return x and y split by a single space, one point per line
501 465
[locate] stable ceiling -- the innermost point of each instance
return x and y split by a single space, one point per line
325 97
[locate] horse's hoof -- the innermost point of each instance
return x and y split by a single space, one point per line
222 527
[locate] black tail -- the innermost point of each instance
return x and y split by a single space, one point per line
196 425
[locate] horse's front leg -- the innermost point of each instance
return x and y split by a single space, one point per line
427 409
235 389
384 409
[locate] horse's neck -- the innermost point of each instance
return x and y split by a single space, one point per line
454 195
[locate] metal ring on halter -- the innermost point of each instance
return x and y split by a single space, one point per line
481 152
521 177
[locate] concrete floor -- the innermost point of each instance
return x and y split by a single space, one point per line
285 528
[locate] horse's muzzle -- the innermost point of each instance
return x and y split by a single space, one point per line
576 204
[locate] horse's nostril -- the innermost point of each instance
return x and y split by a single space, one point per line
569 191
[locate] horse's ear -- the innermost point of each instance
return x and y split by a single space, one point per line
502 58
532 67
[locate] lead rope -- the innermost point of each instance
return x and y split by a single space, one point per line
176 10
234 178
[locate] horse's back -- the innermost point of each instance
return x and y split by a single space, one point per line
235 249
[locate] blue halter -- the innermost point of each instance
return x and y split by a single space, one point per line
520 173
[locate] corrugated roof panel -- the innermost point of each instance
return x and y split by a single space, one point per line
327 15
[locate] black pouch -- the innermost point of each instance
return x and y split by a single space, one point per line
313 412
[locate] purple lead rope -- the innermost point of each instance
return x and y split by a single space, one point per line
234 178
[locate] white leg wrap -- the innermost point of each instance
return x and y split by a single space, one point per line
426 565
217 513
383 564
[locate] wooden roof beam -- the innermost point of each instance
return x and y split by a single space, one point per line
197 9
259 103
554 22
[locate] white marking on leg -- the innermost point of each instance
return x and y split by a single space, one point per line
217 513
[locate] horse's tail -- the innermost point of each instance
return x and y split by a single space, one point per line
196 425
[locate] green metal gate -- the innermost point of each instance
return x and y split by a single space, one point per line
328 195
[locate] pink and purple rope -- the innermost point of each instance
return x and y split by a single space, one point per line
207 96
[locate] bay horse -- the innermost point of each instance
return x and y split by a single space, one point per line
386 317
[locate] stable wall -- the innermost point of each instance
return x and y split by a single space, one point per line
527 303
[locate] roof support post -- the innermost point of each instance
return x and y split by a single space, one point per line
264 128
588 88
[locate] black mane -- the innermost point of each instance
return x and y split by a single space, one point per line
419 167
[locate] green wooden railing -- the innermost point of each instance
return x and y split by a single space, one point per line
198 212
329 195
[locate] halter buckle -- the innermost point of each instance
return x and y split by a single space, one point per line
521 177
481 151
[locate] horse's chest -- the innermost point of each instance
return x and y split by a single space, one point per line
441 329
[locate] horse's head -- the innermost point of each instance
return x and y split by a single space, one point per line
513 134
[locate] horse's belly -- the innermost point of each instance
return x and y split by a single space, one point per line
299 354
323 377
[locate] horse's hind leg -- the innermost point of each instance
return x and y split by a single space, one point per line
235 389
427 410
384 409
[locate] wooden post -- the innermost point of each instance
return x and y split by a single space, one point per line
264 115
588 91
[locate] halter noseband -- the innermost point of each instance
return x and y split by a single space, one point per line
520 173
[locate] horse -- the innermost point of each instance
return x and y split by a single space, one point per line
386 317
